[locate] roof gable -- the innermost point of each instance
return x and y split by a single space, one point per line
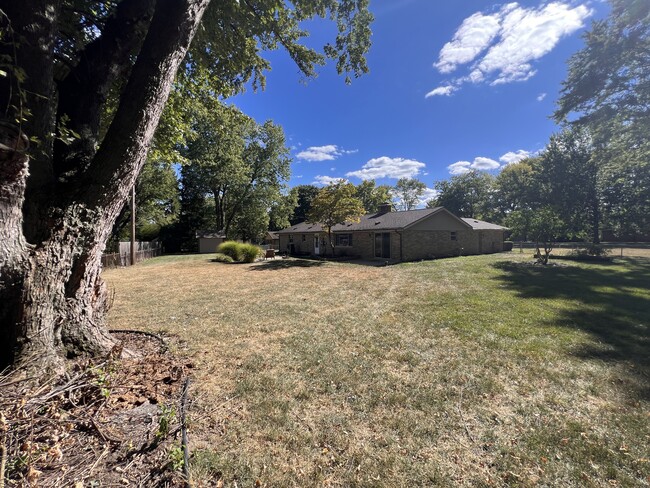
440 219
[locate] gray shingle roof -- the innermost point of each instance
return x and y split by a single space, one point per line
482 225
369 222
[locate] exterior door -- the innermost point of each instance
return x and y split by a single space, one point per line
316 246
382 245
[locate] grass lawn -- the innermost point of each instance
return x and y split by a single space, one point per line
471 371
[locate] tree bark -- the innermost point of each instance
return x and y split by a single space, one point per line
13 247
54 301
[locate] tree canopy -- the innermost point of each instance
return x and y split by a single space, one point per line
466 195
241 165
336 203
607 91
372 196
407 192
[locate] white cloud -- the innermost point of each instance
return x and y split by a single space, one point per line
514 156
323 153
529 34
512 39
460 167
480 163
385 167
429 194
319 153
441 90
472 37
326 180
541 97
484 163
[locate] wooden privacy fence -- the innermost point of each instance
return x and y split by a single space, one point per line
143 250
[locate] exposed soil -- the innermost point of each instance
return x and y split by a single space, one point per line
110 422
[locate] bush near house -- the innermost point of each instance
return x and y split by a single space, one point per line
240 252
230 248
223 258
250 252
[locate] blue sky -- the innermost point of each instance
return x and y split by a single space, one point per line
453 85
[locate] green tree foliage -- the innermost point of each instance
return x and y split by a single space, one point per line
543 226
305 195
608 86
408 192
335 204
157 202
625 189
282 209
515 187
608 91
466 195
372 196
567 180
242 166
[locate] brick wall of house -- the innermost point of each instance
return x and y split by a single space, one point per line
432 244
492 241
417 244
362 246
300 246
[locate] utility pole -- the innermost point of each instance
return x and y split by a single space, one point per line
133 225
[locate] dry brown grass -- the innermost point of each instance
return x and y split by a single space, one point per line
448 373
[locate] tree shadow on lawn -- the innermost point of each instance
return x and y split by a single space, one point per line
279 264
616 311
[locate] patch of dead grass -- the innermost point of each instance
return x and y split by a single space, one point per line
411 375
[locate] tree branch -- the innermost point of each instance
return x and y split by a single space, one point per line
109 177
84 91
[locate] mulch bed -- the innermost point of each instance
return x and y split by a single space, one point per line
109 422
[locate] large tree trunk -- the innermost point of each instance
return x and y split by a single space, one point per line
53 301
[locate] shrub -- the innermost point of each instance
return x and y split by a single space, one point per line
250 252
597 250
593 252
223 258
232 249
507 245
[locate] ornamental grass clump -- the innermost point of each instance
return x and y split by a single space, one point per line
223 258
250 252
232 249
239 252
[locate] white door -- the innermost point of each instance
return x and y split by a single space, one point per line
316 246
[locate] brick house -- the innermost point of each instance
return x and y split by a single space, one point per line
397 236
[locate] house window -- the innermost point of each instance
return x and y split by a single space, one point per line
343 240
454 236
290 238
304 238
